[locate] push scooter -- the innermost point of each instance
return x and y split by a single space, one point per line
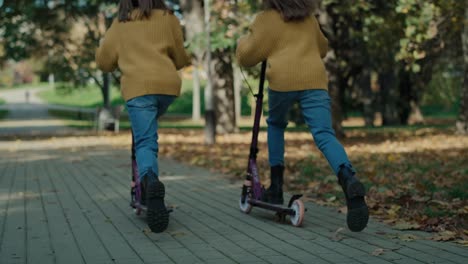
252 190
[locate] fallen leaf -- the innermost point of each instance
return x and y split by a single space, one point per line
444 236
433 221
177 234
462 242
343 210
407 237
378 252
401 225
337 236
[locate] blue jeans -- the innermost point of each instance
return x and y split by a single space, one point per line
144 112
316 109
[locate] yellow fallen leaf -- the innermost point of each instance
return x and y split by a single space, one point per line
444 236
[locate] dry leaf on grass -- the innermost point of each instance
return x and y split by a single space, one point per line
401 225
445 236
462 242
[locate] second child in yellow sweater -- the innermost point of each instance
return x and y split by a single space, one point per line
146 43
288 36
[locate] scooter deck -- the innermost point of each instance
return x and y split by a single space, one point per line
277 207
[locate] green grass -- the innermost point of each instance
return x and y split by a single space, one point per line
439 111
88 97
91 97
125 125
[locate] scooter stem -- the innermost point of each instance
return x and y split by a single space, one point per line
258 113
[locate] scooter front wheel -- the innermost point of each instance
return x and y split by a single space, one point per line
299 210
245 206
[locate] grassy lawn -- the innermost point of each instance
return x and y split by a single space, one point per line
88 97
91 97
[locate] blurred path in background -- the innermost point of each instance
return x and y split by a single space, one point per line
28 115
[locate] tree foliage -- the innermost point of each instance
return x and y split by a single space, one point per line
397 43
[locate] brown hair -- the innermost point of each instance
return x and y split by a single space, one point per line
145 7
291 10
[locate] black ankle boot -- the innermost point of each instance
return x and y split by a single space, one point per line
274 194
157 213
358 213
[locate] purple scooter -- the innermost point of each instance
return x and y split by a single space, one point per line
135 191
252 189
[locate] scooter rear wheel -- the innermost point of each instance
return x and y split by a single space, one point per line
137 211
245 206
299 209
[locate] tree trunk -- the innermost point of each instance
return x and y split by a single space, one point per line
196 107
237 91
333 72
462 122
106 90
368 98
404 102
210 116
193 15
223 87
335 94
389 99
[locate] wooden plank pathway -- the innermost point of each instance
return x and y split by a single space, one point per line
71 205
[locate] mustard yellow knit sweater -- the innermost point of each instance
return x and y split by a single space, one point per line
149 53
294 51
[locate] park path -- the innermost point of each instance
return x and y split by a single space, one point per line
66 200
28 115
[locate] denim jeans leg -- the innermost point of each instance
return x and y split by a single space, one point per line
164 101
279 104
144 112
316 108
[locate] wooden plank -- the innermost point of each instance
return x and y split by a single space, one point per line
13 248
63 242
39 246
91 247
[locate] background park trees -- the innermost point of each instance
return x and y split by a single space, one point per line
388 57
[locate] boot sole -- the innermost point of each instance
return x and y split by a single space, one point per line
358 217
157 215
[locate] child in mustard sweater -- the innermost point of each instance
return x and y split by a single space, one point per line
146 43
288 36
